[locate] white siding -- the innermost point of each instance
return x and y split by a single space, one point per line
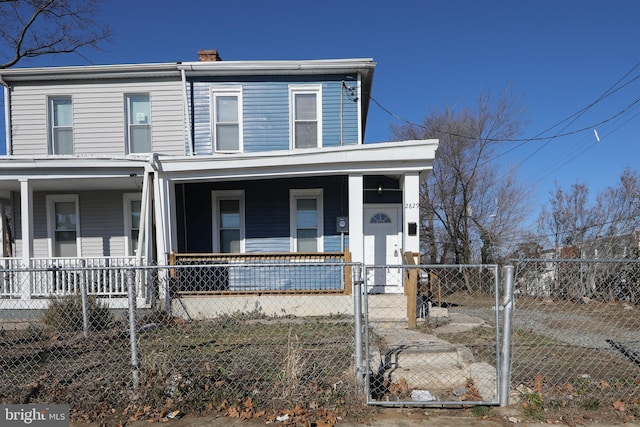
98 116
101 224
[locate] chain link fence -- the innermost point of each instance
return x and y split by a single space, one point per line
258 336
576 332
183 345
452 356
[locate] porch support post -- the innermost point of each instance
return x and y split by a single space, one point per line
411 212
26 218
162 218
356 212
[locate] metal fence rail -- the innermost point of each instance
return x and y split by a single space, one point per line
576 332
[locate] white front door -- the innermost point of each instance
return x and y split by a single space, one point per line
383 248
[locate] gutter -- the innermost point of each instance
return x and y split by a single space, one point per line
7 115
187 119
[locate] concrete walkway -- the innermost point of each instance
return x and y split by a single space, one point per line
426 362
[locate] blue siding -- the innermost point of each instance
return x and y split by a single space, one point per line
266 112
334 95
266 213
266 116
202 140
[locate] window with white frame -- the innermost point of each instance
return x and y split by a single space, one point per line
138 108
306 220
227 119
305 104
63 225
60 125
132 209
228 221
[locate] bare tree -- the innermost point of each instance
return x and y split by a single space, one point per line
467 206
32 28
621 205
568 220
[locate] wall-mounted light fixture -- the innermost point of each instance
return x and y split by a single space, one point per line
380 189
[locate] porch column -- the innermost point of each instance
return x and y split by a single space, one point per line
162 218
411 211
26 220
4 201
356 226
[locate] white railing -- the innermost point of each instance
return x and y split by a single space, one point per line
9 281
104 277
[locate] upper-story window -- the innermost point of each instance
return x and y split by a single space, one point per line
305 116
60 125
138 109
227 119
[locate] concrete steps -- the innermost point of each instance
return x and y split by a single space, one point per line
426 362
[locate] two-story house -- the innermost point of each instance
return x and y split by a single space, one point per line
127 164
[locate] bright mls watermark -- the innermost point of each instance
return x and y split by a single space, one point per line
34 415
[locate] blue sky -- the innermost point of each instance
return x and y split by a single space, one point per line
560 56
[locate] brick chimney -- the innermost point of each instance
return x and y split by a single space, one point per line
208 55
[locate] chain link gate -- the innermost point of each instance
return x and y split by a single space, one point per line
452 356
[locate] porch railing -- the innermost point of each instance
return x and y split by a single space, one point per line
104 277
261 272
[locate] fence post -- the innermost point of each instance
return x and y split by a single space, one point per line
411 289
133 329
507 306
85 309
357 315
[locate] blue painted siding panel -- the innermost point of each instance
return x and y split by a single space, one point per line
267 225
266 116
333 97
266 112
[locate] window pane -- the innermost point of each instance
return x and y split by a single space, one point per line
227 138
306 135
65 244
306 213
306 106
230 241
307 240
135 213
134 242
62 112
139 109
227 109
62 141
65 216
229 214
140 139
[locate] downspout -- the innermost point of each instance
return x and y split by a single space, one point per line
187 119
7 115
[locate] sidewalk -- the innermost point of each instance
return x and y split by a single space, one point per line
387 417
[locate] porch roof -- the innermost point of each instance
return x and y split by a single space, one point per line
77 173
385 158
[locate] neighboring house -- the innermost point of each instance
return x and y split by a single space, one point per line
122 165
605 268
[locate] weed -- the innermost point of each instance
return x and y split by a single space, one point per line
482 411
533 406
65 314
590 403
